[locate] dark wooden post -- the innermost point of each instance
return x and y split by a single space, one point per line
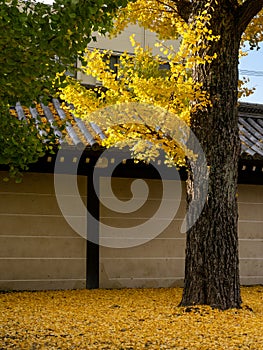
93 216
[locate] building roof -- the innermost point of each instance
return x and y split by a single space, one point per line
77 132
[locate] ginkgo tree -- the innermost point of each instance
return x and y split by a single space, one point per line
202 88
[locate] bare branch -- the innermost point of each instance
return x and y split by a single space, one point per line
182 8
246 12
168 6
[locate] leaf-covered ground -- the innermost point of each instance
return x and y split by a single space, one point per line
126 319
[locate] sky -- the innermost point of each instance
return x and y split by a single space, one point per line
251 66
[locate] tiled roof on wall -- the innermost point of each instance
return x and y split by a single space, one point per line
251 129
77 132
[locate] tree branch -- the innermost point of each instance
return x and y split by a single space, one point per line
245 13
183 8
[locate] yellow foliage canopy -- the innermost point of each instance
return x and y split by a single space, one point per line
138 78
162 17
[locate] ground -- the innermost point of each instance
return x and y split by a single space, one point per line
126 319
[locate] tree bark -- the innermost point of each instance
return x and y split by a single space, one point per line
212 263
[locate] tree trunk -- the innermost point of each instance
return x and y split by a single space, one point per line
212 264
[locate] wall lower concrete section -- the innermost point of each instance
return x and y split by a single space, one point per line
159 260
250 200
38 249
141 242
